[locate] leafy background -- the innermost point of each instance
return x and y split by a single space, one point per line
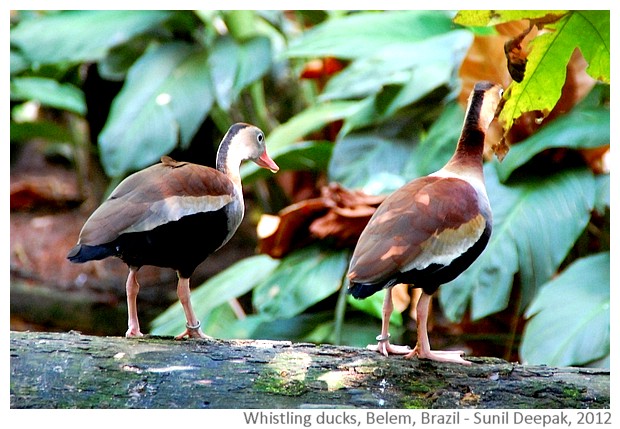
368 100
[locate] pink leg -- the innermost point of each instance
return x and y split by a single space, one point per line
383 346
193 325
132 288
423 347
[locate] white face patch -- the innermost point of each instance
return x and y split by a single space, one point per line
174 208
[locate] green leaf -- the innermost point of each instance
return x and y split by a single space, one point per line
354 161
241 23
306 327
115 65
438 145
223 64
360 330
415 53
420 66
579 129
235 65
166 96
312 119
569 318
535 223
51 131
439 62
230 283
81 36
191 100
593 41
603 193
373 305
479 18
545 72
18 62
49 92
361 34
369 161
216 323
303 156
318 328
302 279
242 328
383 108
297 328
254 61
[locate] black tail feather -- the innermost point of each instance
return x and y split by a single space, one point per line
84 253
364 290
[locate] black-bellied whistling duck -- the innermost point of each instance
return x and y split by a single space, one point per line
429 231
173 214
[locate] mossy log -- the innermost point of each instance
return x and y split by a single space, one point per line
70 370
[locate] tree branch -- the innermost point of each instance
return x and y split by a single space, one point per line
70 370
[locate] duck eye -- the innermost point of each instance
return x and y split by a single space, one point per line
260 137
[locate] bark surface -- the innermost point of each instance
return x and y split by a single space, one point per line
70 370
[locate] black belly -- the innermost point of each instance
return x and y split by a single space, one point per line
181 245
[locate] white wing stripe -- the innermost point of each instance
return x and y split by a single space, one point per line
174 208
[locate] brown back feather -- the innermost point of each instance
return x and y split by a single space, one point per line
133 200
408 220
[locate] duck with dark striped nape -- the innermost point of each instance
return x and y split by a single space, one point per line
174 215
429 231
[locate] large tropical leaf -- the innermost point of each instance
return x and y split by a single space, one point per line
115 65
536 222
18 62
369 161
550 52
303 156
397 76
380 163
261 326
361 34
438 144
374 305
49 92
302 279
51 131
479 18
80 36
603 192
399 63
569 319
214 294
316 327
234 65
579 129
167 95
312 119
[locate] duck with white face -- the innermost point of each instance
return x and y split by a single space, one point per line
174 215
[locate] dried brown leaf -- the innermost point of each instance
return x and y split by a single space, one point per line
338 215
288 232
30 192
516 55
